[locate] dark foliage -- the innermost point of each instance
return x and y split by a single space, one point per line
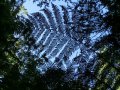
109 59
18 64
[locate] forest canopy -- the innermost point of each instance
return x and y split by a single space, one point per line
37 52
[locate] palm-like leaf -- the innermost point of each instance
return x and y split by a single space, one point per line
62 36
51 33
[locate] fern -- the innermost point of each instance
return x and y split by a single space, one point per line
58 18
62 35
50 17
51 33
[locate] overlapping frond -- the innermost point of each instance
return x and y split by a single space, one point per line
51 33
63 36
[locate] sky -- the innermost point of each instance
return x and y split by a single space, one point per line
31 7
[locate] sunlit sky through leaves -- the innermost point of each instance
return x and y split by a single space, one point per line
32 8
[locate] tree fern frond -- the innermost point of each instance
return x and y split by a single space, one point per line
41 18
58 18
66 17
57 41
50 17
38 27
62 36
66 20
35 25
